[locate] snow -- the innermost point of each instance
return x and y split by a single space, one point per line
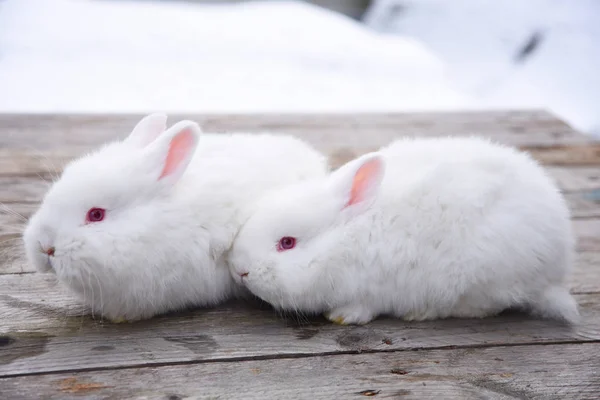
106 56
478 40
286 56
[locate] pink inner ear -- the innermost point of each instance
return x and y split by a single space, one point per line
363 180
179 150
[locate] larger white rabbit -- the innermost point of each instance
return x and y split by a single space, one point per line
140 226
423 229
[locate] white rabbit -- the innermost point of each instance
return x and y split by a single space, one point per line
423 229
140 226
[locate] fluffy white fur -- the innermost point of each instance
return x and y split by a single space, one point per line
443 227
161 245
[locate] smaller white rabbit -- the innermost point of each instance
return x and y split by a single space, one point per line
140 226
423 229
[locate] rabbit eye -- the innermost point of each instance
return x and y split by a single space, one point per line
95 215
286 243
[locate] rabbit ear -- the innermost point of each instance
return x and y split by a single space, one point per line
170 154
147 130
357 183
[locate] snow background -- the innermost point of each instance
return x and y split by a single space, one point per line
288 56
479 40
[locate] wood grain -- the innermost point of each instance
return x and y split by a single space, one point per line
572 155
49 163
575 179
38 144
37 313
586 274
587 232
532 128
549 372
584 205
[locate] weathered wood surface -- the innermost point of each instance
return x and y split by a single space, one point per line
51 347
549 372
523 128
47 331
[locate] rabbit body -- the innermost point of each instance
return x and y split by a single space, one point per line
422 229
172 203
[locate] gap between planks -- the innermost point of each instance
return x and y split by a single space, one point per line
472 373
293 356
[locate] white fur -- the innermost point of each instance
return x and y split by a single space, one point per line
161 245
458 227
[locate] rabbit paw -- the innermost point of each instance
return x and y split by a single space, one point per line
420 315
350 315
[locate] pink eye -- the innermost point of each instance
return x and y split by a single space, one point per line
95 215
286 243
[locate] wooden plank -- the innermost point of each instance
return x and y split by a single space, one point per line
44 329
34 163
586 274
533 128
12 255
49 163
39 144
588 234
524 372
573 155
575 179
10 225
584 205
22 190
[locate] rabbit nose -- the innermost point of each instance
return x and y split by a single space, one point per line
49 251
244 274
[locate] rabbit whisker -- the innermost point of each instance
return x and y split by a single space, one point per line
12 212
54 174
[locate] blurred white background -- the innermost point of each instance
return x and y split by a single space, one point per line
294 56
